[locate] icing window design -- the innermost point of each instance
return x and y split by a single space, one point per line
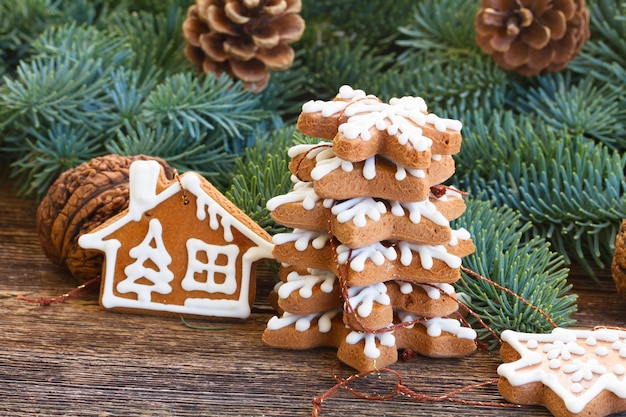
212 276
151 264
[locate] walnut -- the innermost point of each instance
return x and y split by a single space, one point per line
79 200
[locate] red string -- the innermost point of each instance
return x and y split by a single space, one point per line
511 293
400 389
75 293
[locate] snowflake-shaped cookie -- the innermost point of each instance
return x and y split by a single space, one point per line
577 366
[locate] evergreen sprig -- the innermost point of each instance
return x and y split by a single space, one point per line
45 155
580 107
155 38
453 87
575 197
263 173
604 56
195 105
527 267
23 21
442 30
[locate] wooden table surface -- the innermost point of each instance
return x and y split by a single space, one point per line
76 359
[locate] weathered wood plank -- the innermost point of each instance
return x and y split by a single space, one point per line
76 359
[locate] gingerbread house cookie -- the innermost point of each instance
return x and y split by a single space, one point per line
181 247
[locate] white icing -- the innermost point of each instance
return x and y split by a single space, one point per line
305 283
459 234
302 322
311 150
402 117
554 364
302 192
376 253
197 268
437 325
302 239
406 317
433 290
427 254
358 210
144 197
347 92
581 377
532 344
405 287
363 298
326 162
563 350
417 210
370 349
601 351
160 278
583 370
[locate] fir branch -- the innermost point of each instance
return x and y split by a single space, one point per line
79 43
528 268
581 108
128 91
261 174
48 91
208 158
575 197
605 53
328 68
197 105
284 93
21 22
455 87
346 19
441 29
155 38
46 156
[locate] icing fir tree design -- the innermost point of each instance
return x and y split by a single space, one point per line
137 272
371 244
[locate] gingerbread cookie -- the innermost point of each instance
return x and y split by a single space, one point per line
181 247
361 126
376 176
361 221
306 292
437 337
376 262
570 372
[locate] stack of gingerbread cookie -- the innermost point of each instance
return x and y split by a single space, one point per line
369 264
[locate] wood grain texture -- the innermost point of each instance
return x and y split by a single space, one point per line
76 359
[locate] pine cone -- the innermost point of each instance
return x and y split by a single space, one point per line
618 267
532 36
79 200
243 38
